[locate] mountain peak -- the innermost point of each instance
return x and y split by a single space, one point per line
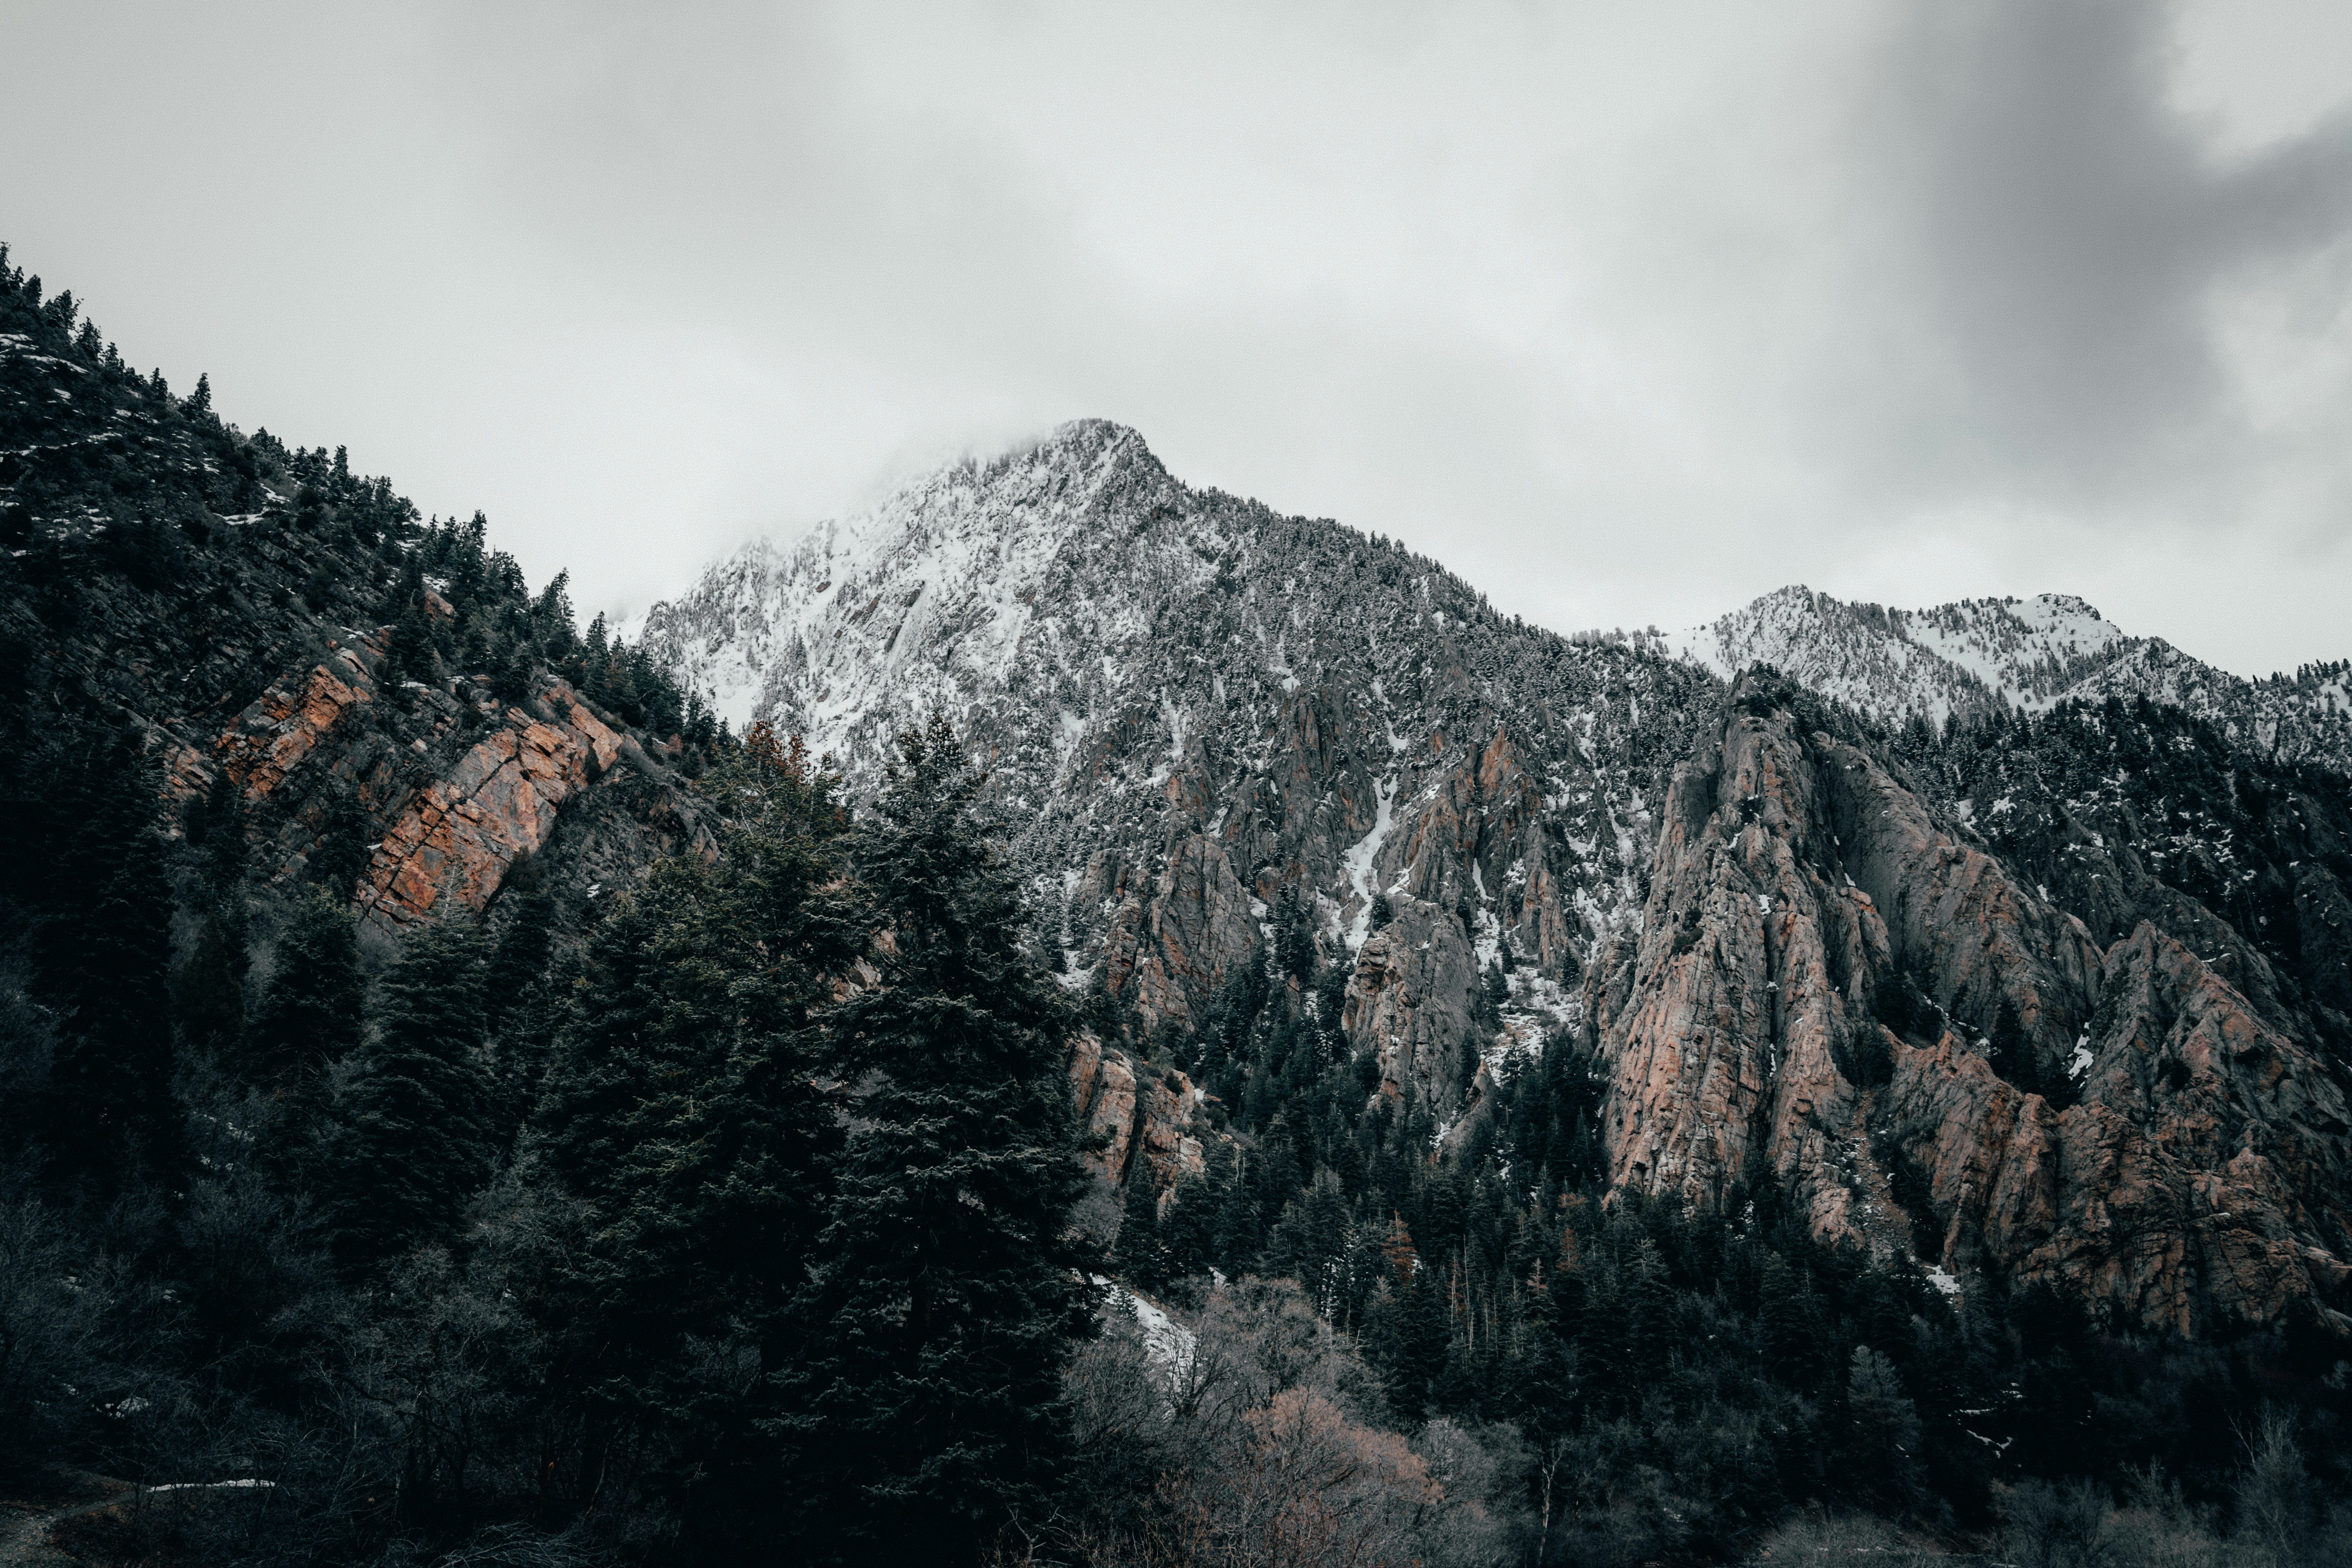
1971 655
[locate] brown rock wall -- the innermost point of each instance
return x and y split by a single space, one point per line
452 844
1151 1117
279 733
1409 1000
1196 926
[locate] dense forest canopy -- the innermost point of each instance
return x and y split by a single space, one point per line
744 1216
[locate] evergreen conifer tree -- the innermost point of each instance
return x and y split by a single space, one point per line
1141 1256
414 1134
519 962
686 1109
1408 1326
927 1415
1418 1350
1791 1325
410 652
346 842
208 991
215 825
1649 1310
104 967
310 1011
1188 1230
1601 1354
1567 1289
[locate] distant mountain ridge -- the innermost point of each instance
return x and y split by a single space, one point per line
1969 656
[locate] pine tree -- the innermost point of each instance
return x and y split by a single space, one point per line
519 963
1609 1381
1791 1324
345 845
685 1111
1141 1256
1408 1326
521 1007
1650 1312
1882 1428
215 825
208 991
1188 1230
309 1013
409 653
513 679
412 1139
1313 1242
104 967
1418 1354
927 1412
1566 1288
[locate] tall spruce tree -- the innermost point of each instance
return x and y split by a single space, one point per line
105 955
310 1011
413 1135
686 1109
519 963
522 1006
208 989
927 1411
1142 1256
1791 1319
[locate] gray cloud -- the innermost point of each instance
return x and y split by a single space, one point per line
2051 234
1627 313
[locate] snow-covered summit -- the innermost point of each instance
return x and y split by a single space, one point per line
2031 653
933 590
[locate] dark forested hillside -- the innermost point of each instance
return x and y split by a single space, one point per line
1260 1061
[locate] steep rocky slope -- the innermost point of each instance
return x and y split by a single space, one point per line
1841 989
233 600
1224 739
1975 654
1228 744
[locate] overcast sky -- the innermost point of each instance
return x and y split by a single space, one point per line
1627 314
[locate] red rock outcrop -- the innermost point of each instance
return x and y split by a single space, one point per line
1153 1118
273 737
447 839
452 843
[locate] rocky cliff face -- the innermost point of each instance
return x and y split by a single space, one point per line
1214 729
1148 1117
2117 1119
454 820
